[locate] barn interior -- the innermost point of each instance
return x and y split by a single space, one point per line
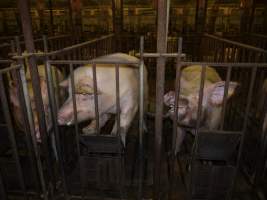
43 42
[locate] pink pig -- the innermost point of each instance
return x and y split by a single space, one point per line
188 102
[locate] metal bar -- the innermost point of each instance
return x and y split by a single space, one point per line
32 131
177 93
8 69
141 118
76 124
176 110
118 108
27 130
12 139
166 55
226 88
162 34
246 46
28 36
74 108
85 62
96 99
53 111
249 100
200 100
78 45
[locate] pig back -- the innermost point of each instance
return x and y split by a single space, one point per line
106 79
191 79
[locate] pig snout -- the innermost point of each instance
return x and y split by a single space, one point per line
64 117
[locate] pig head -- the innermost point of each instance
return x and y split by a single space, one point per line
213 93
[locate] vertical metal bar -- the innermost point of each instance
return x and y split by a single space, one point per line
74 107
32 131
200 100
96 98
177 93
23 6
226 88
245 123
141 118
162 34
176 110
26 126
76 124
118 109
12 139
53 110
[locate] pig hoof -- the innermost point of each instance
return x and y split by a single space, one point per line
88 131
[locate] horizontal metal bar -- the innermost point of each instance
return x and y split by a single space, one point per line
5 70
236 43
78 45
85 62
220 131
5 61
156 55
217 64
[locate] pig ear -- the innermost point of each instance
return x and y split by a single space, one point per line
64 84
83 88
217 93
169 98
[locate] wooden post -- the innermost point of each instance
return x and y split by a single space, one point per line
162 34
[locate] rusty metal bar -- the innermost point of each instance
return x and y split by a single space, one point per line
226 88
12 138
24 112
28 36
162 34
32 131
118 109
96 99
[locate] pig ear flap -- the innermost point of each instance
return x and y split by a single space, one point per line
217 93
169 98
64 84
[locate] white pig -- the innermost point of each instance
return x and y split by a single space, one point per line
106 92
188 102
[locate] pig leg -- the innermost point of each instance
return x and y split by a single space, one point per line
91 128
126 117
